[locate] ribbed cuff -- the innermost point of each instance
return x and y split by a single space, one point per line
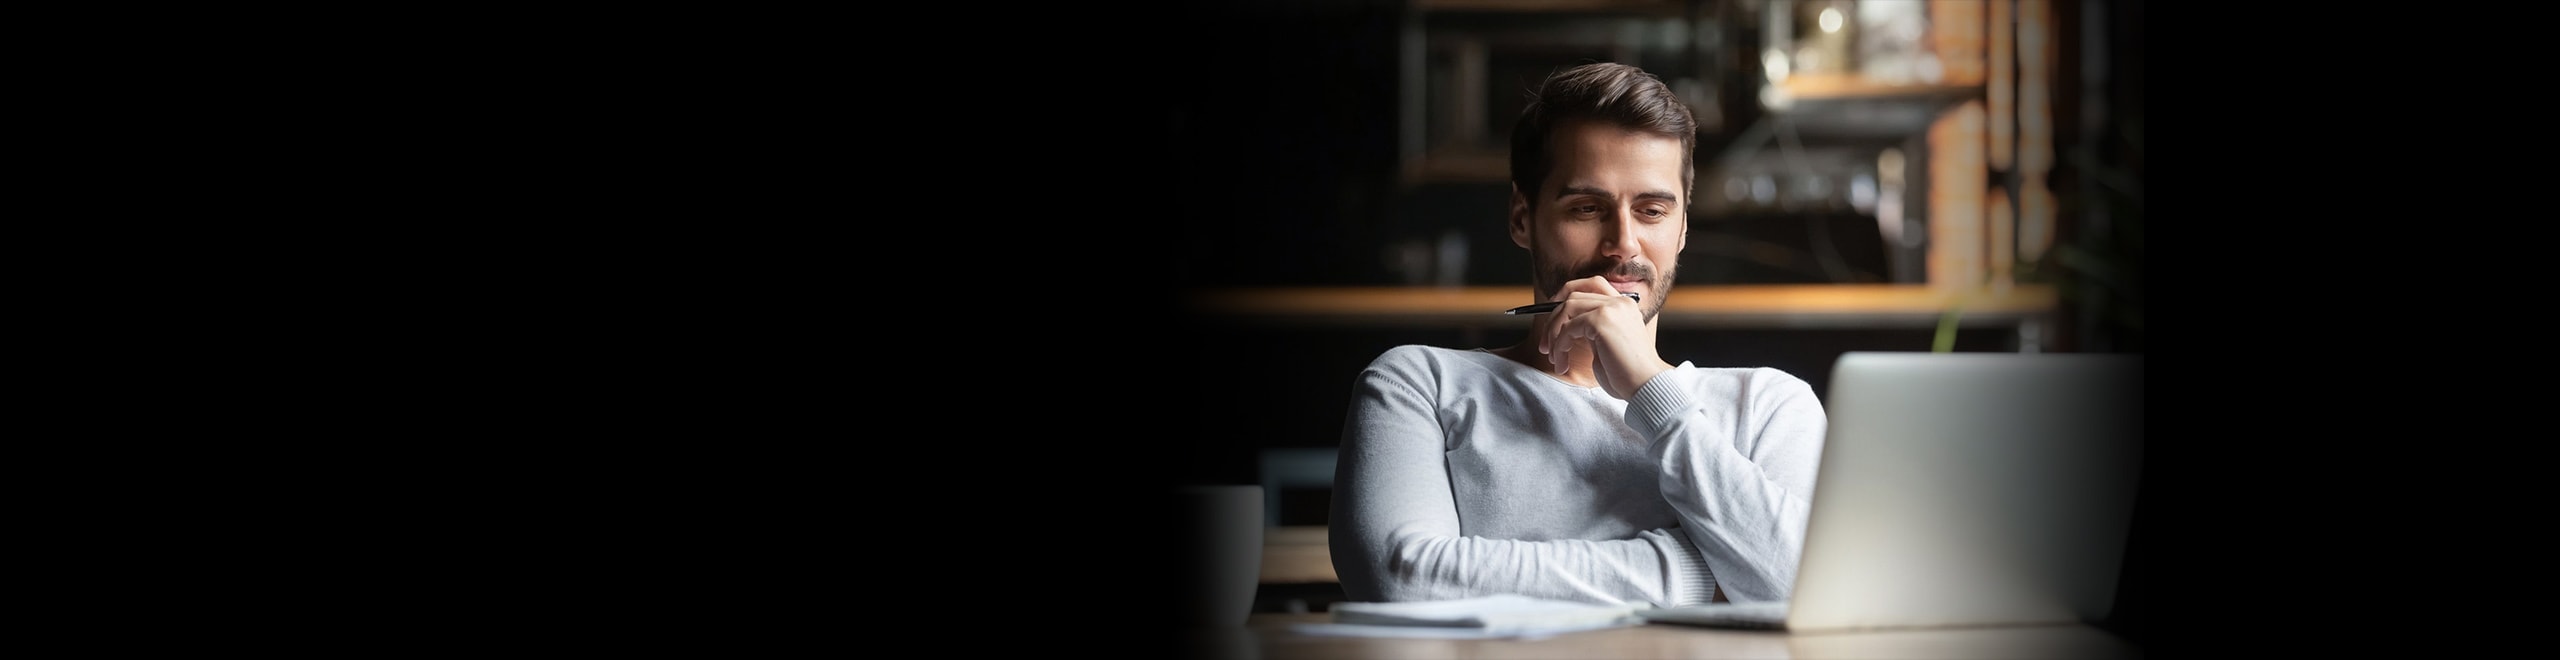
1691 582
1654 405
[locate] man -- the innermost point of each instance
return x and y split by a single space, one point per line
1578 464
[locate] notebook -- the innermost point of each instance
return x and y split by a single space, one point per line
1482 617
1962 489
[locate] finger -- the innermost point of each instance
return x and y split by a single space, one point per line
1569 335
1559 335
1593 289
1562 314
1551 339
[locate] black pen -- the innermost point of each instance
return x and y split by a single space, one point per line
1542 308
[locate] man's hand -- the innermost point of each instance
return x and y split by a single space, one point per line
1595 317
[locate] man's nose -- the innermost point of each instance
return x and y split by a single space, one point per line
1620 238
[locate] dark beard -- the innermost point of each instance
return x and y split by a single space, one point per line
1551 280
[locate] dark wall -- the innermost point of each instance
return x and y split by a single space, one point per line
1284 133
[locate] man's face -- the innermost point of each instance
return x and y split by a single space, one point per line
1611 207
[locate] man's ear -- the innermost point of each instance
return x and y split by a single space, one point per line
1520 218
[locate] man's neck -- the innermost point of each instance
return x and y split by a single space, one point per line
1526 353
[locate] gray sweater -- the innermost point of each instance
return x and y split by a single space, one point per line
1465 474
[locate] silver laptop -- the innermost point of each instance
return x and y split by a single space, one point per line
1961 489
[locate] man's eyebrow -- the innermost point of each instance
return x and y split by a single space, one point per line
1596 192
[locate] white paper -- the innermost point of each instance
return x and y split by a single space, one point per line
1449 632
1504 615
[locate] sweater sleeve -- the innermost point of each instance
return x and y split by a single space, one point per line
1396 534
1738 449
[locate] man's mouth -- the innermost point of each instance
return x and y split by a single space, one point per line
1625 283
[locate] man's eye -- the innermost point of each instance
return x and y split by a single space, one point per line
1585 210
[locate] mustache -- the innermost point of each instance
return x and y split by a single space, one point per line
1629 270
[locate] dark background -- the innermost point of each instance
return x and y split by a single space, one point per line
1286 162
1285 142
922 295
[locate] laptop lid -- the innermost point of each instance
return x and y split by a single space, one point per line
1971 489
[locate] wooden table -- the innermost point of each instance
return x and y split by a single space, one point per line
1268 636
1297 554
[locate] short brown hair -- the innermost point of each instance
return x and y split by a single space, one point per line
1620 94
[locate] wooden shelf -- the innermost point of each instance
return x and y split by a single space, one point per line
1862 107
1657 7
1691 306
1847 87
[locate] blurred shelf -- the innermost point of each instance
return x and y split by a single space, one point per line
1648 7
1469 60
1842 105
1691 306
1850 87
1459 165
